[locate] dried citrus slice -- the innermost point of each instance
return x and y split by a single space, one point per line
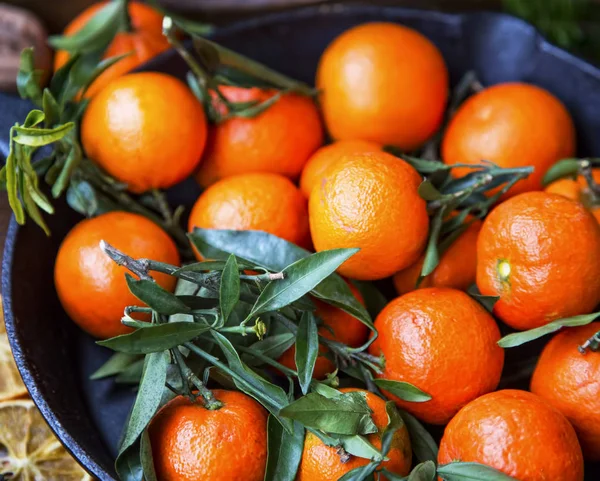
11 385
28 449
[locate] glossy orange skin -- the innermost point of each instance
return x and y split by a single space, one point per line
370 201
443 342
517 433
570 381
279 140
255 201
191 443
346 329
323 158
457 267
322 463
91 287
512 125
551 276
145 41
578 190
385 83
145 129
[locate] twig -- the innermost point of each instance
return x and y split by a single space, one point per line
138 267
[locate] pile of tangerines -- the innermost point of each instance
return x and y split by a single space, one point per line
318 173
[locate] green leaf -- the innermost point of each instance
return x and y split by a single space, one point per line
36 137
403 390
307 349
148 398
131 374
471 471
117 363
129 464
275 254
422 442
156 297
562 168
375 301
146 458
284 451
300 278
34 118
428 192
361 473
87 77
271 346
31 207
51 108
11 183
81 197
359 446
395 423
28 83
269 395
97 33
432 257
73 159
423 472
488 302
518 338
155 338
346 414
229 292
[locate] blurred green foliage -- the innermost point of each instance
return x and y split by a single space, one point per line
571 24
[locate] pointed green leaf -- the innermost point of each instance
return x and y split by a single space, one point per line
275 254
147 400
155 296
519 338
423 445
28 83
346 414
428 192
35 137
229 292
471 472
51 108
271 346
432 257
562 168
97 32
284 451
73 159
155 338
146 458
31 207
300 278
132 374
116 364
268 394
395 423
403 390
488 302
359 446
33 118
307 349
423 472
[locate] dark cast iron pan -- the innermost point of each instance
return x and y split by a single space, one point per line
56 359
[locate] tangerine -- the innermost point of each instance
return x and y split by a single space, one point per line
279 140
190 442
578 190
517 433
255 201
338 326
527 257
432 337
143 42
325 156
91 287
145 129
323 462
568 380
456 269
370 201
512 125
385 83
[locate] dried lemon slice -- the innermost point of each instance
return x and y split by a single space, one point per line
11 385
28 449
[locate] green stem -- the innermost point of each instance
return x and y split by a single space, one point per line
187 376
